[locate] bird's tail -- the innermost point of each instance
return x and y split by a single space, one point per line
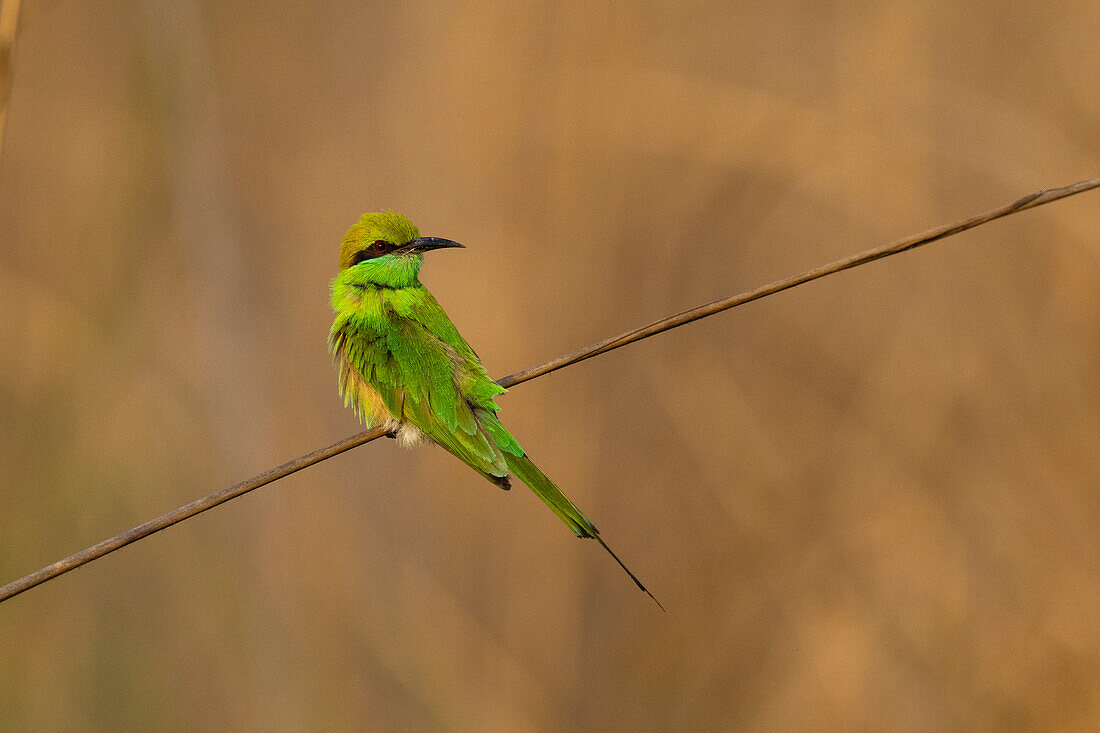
559 503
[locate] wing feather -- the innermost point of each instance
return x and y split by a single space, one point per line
406 349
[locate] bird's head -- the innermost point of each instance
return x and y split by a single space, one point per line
389 244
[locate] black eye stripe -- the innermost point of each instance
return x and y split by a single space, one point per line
376 249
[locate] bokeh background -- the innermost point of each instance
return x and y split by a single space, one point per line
870 503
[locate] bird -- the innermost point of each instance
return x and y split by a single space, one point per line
403 365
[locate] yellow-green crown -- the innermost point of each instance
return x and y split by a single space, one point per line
386 226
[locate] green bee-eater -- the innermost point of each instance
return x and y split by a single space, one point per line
403 364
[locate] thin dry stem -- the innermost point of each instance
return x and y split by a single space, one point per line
200 505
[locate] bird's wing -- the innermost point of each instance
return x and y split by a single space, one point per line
418 376
475 387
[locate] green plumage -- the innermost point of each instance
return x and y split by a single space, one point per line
403 364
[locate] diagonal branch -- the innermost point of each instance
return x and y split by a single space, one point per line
201 505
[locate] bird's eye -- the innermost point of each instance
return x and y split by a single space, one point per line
380 245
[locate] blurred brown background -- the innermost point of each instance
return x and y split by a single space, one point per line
870 503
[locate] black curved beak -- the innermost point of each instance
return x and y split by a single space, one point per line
425 244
